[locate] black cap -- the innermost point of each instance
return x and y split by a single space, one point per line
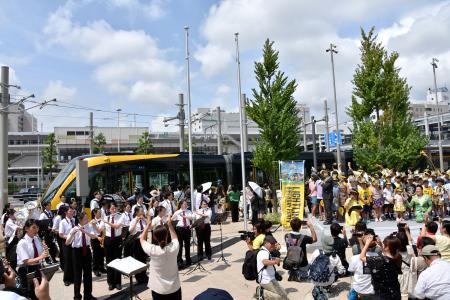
270 239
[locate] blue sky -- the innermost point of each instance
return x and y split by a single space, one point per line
129 54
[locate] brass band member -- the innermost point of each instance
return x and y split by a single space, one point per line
113 245
98 253
30 253
139 203
65 226
55 229
127 240
11 239
137 226
79 238
184 217
48 234
204 231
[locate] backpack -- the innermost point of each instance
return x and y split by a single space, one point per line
319 270
295 254
249 268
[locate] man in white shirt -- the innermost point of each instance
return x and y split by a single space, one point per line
167 203
48 236
95 203
139 203
178 195
63 202
184 217
434 281
65 226
265 266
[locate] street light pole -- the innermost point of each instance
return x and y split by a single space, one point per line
4 136
441 154
118 128
338 146
241 121
191 163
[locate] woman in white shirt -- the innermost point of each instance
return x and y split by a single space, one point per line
127 239
98 253
204 231
184 218
164 280
137 226
55 229
11 228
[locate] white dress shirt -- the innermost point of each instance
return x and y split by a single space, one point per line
156 221
56 222
168 206
181 215
45 215
178 195
127 219
139 205
268 273
434 281
60 204
94 204
152 212
100 225
205 211
139 225
10 228
65 226
25 249
103 213
118 219
77 241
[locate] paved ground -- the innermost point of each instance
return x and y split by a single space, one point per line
226 276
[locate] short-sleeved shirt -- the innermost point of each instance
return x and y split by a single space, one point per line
164 277
306 240
265 274
258 241
234 196
362 283
384 273
25 249
364 195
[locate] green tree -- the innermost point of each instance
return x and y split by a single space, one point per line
49 154
99 143
145 144
275 111
378 89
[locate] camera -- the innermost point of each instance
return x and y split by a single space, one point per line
246 234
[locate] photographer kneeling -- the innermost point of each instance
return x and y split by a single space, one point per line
266 270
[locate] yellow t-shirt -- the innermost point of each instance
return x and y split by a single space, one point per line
428 191
364 195
258 241
443 244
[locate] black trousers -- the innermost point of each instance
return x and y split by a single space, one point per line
173 296
60 243
184 238
204 237
140 255
11 254
68 263
50 241
328 209
234 211
127 242
98 256
82 268
113 250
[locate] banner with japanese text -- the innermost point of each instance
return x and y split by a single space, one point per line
292 179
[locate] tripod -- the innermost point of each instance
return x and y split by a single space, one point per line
221 217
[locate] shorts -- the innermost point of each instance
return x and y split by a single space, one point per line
367 208
314 200
438 201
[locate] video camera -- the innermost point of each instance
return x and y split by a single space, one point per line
247 234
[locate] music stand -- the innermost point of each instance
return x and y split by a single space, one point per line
128 266
220 218
198 266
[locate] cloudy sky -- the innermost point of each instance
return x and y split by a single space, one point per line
130 54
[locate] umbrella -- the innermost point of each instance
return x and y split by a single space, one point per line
206 186
256 188
214 294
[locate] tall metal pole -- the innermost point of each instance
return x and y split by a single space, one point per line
313 132
4 136
327 127
244 121
91 133
191 163
38 161
441 154
219 132
118 129
181 119
338 146
305 145
241 121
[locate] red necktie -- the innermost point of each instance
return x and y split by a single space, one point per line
140 223
184 219
83 243
113 232
36 254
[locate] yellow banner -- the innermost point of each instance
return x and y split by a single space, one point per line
292 191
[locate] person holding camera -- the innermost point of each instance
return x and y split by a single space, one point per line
266 271
340 244
256 240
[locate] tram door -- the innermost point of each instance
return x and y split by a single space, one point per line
157 179
137 179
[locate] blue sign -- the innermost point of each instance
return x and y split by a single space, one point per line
333 137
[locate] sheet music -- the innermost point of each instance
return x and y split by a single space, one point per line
127 265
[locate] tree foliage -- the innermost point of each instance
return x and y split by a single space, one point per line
99 143
274 109
49 154
145 144
380 92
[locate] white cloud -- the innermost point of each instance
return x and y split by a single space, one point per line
153 9
126 62
56 89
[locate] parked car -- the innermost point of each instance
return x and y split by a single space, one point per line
28 194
